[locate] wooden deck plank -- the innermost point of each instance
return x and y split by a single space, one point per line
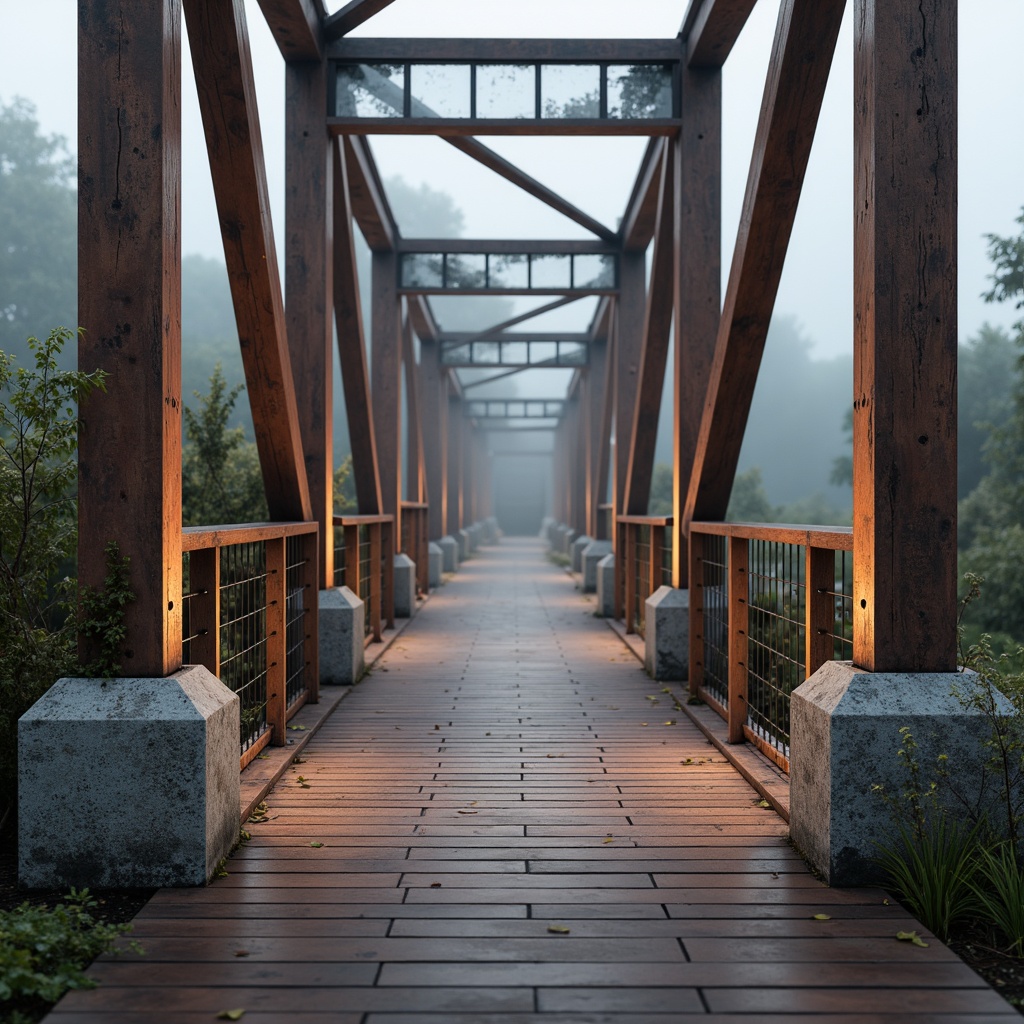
550 793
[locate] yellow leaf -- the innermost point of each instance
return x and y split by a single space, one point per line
608 839
230 1014
558 929
316 846
912 937
644 724
765 804
821 917
671 721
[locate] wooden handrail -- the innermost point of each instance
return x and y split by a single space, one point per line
645 520
361 520
196 538
831 538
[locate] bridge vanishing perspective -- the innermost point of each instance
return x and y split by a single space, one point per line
810 645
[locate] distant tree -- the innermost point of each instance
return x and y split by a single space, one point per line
842 465
661 500
749 501
38 231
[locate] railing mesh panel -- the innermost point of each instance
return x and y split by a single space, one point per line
716 618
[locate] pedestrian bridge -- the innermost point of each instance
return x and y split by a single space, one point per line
507 821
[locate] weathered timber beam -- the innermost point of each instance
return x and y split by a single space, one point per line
508 170
711 28
434 424
802 53
550 51
426 289
366 193
348 318
422 317
466 337
642 209
511 246
386 380
454 128
227 98
351 16
417 481
654 355
296 26
905 336
129 295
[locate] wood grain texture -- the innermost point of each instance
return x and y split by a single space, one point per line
386 381
416 482
801 57
697 282
129 288
309 282
711 28
629 336
296 26
654 354
640 219
434 410
905 326
222 63
355 374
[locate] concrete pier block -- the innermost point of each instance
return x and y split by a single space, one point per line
844 736
546 525
667 634
475 532
606 586
435 565
592 555
567 538
450 553
405 586
342 632
462 539
492 531
579 545
128 782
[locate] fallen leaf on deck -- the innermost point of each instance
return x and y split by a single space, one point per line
230 1014
294 728
765 804
912 937
558 929
316 846
241 952
821 917
465 812
435 885
608 839
644 724
671 721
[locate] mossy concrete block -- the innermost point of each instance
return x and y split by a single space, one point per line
462 539
579 545
435 565
405 586
128 782
844 738
450 550
606 586
667 634
342 631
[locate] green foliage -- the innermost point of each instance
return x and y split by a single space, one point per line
999 890
101 619
44 952
38 531
221 480
344 488
38 228
660 502
1007 254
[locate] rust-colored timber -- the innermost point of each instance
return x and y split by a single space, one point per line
276 591
695 583
309 280
801 57
417 480
392 50
196 538
295 26
711 28
739 645
368 202
355 374
697 282
628 355
386 381
204 584
654 354
433 412
905 337
129 288
227 99
832 538
640 221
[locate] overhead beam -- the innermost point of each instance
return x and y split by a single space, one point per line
422 317
520 319
458 127
638 224
351 16
654 355
510 246
366 193
222 62
711 28
453 289
348 319
367 50
466 337
805 40
296 26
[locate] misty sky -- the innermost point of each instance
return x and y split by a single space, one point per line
38 61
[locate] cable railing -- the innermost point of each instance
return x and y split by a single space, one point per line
769 605
249 610
364 561
415 541
643 566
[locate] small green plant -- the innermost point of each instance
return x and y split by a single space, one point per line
999 889
102 615
44 952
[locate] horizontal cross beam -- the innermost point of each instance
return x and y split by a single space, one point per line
508 273
515 408
517 246
491 354
466 337
512 51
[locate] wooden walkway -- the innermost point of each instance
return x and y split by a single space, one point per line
508 822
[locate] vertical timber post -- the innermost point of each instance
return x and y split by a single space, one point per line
434 408
905 336
129 287
386 383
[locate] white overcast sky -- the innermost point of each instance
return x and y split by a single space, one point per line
38 61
